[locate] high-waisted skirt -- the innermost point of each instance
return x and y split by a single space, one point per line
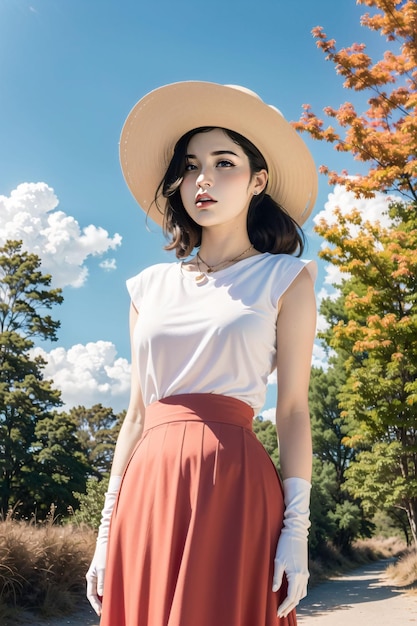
196 524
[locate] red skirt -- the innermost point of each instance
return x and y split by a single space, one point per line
196 524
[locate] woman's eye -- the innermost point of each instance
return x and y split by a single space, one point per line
225 163
189 167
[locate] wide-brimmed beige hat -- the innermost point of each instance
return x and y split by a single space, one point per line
160 118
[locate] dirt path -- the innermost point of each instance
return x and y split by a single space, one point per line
364 597
85 616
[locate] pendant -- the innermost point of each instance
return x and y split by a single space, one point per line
201 279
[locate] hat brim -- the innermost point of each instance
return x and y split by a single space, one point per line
160 118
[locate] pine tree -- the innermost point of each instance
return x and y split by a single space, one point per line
25 397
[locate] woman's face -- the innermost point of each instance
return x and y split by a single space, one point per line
218 185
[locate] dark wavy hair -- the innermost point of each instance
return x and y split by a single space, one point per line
270 228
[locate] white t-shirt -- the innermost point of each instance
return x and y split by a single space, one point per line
217 337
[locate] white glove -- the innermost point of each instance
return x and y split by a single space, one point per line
292 551
95 574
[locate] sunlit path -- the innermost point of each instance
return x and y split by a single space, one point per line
364 596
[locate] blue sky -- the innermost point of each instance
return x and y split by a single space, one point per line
70 71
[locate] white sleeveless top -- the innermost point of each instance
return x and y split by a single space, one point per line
217 337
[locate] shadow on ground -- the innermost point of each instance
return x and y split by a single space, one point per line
83 616
366 584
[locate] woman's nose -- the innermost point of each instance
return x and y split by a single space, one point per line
204 179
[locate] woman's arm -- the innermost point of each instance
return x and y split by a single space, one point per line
295 335
296 327
132 426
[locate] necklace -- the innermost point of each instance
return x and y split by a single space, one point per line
214 268
201 278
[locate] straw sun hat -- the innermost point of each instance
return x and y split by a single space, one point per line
160 118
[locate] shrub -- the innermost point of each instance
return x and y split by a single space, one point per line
42 566
91 502
404 571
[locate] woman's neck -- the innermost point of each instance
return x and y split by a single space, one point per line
224 246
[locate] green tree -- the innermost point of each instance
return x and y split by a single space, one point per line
25 397
336 516
323 503
266 432
379 399
328 430
90 503
60 464
98 428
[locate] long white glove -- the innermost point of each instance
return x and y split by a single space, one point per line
95 574
292 551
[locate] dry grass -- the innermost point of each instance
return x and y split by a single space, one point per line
42 567
379 548
332 563
404 571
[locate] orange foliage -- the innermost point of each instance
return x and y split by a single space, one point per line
385 135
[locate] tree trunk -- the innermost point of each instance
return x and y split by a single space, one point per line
412 518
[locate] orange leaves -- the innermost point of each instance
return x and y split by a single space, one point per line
385 135
372 321
345 115
380 337
368 250
378 329
393 22
314 126
327 45
354 441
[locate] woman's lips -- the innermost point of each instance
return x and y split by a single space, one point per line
204 200
204 203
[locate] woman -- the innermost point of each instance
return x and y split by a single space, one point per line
203 532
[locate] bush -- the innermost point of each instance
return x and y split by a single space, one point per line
91 502
43 566
404 571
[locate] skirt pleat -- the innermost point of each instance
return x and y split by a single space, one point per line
195 527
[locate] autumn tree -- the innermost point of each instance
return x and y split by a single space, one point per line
378 328
379 399
384 136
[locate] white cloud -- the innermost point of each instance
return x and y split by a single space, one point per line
272 378
320 357
322 323
89 374
30 215
372 210
108 264
333 275
268 414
